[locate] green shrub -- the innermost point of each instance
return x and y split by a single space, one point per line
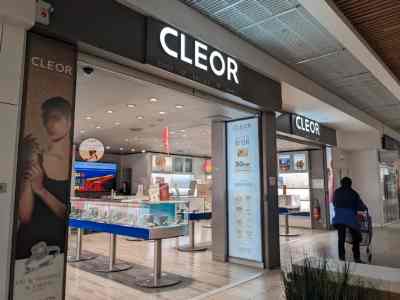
315 281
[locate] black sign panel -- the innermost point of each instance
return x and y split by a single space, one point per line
306 128
182 54
104 24
389 143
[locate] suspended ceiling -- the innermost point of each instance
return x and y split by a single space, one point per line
285 30
102 112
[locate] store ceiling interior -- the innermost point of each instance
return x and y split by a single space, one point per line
129 115
285 30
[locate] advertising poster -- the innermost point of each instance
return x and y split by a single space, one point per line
299 162
285 162
244 190
44 171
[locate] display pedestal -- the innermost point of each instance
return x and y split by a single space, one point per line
112 266
157 279
287 229
192 247
78 255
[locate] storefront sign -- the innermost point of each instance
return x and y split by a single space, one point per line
44 171
306 125
306 128
244 190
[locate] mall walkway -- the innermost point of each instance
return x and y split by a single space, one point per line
385 251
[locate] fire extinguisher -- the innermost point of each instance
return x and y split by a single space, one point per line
317 213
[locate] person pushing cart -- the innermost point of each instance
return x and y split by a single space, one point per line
348 204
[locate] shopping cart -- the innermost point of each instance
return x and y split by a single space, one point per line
365 222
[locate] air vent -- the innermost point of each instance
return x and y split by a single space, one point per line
136 129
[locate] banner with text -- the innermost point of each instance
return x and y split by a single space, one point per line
244 190
44 168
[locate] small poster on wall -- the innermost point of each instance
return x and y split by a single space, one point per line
299 162
285 162
44 171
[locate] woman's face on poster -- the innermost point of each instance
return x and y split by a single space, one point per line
57 125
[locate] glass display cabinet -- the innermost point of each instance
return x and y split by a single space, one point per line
144 220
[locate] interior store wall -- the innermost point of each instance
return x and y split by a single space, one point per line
14 20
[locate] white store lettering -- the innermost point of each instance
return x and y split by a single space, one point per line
307 125
51 65
219 64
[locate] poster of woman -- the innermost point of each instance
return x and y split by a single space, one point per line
44 170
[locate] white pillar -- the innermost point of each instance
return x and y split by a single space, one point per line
15 18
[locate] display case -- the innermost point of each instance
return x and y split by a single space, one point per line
162 219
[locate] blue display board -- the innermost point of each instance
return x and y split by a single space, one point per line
244 190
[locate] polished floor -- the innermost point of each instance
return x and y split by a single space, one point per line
212 280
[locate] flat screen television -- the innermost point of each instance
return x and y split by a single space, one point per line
95 177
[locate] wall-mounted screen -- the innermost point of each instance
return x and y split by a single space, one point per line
244 190
95 177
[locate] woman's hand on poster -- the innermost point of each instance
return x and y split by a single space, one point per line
36 176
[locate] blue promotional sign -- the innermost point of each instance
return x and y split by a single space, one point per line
244 190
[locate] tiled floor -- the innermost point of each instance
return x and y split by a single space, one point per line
217 281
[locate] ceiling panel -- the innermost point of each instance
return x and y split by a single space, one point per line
378 21
285 30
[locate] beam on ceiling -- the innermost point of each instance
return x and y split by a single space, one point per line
326 12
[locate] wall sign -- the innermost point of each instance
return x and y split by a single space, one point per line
244 190
91 150
180 53
306 128
44 171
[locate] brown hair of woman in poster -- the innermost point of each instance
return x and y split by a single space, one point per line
43 202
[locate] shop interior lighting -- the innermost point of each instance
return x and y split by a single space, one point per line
98 127
179 106
88 118
140 117
131 105
117 123
109 111
153 100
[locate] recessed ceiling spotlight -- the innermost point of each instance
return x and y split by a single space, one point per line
153 100
117 123
82 131
109 111
179 106
131 105
121 149
98 127
182 130
108 147
162 112
126 140
140 117
88 118
143 151
133 150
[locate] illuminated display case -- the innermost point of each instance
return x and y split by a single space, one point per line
162 219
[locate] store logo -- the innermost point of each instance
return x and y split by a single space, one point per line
308 126
51 65
220 64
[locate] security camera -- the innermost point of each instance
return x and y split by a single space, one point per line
88 70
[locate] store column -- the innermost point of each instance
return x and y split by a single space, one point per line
270 192
14 21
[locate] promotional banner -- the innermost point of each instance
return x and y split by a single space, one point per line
244 190
44 171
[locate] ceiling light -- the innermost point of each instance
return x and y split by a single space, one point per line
182 130
122 149
88 118
153 100
162 112
184 135
108 147
126 140
98 127
140 117
109 111
82 131
133 150
117 123
179 106
143 151
131 105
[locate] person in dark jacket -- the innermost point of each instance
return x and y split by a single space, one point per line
347 204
